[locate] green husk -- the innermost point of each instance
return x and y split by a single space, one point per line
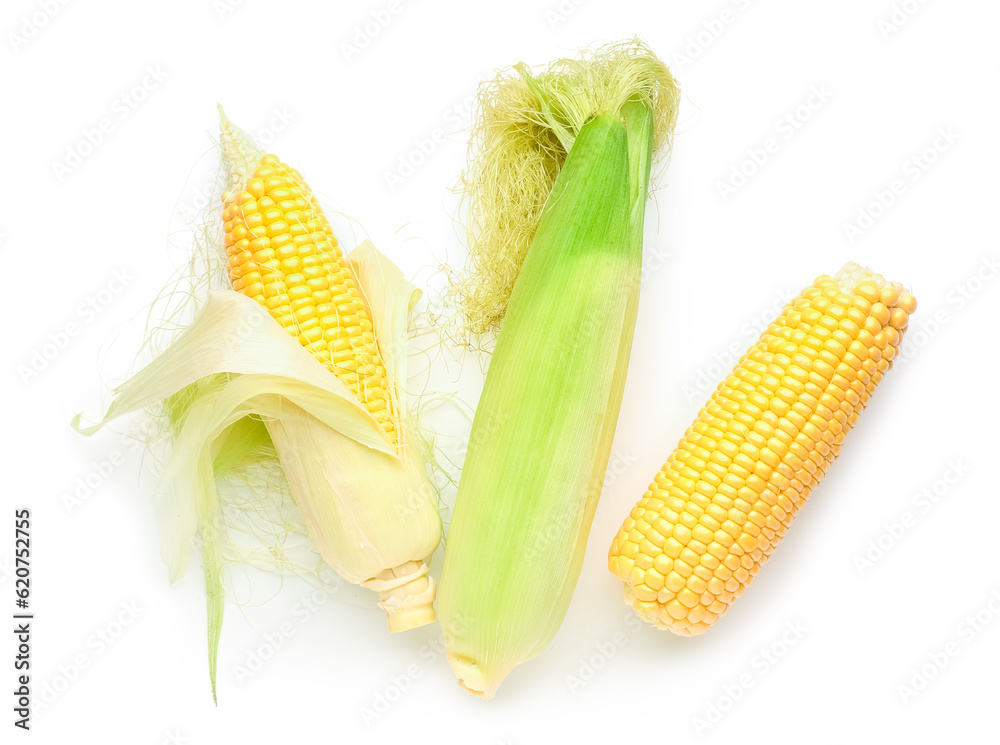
526 124
542 433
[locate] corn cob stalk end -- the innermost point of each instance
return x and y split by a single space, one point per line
406 595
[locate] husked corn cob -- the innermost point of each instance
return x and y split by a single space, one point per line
283 254
725 497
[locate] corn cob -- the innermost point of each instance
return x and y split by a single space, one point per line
371 515
727 494
302 358
282 253
543 428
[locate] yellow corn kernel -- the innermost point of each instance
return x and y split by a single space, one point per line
800 398
295 273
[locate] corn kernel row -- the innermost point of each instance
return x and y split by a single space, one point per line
282 253
725 497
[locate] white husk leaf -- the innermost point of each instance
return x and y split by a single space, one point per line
272 375
366 510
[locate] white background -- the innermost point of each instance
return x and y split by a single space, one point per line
893 76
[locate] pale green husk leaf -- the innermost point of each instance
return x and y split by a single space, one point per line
222 379
526 123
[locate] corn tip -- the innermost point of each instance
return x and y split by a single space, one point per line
406 595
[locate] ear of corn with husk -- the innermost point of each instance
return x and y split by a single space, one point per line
542 434
306 353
